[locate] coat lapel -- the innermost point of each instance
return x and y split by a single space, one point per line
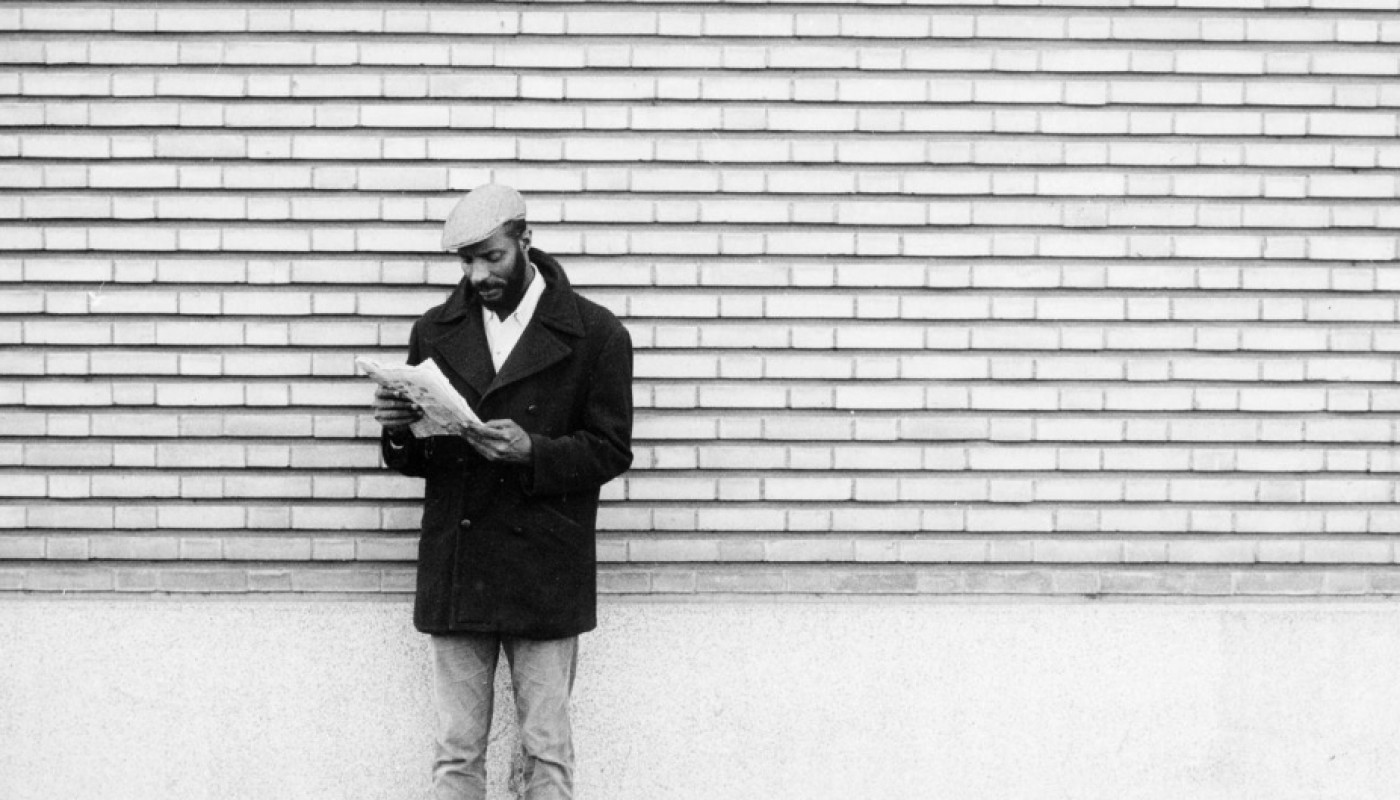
541 344
463 349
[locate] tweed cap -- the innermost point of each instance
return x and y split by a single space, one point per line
482 211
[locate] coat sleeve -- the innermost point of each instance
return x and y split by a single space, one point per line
406 453
601 449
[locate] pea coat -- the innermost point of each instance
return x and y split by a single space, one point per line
508 548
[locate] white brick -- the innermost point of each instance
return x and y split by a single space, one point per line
68 19
748 24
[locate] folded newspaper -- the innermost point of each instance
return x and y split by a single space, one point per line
444 410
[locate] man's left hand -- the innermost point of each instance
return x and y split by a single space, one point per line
499 440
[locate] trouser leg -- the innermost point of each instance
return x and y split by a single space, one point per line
464 669
542 674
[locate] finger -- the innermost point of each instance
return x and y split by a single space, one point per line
399 408
493 432
394 414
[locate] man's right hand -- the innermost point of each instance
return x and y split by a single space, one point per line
394 411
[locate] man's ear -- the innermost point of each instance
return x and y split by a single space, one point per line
525 239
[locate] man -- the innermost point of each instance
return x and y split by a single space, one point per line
506 559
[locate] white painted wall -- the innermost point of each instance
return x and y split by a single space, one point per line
1036 700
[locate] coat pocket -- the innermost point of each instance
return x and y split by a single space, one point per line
547 583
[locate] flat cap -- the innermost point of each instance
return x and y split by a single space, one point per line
482 211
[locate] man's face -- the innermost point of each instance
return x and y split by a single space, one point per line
497 267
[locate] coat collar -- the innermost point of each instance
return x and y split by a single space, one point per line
462 347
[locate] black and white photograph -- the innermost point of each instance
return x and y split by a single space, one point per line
699 400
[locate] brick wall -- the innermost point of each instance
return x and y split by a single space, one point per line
974 298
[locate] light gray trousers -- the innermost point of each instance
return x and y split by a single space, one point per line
542 677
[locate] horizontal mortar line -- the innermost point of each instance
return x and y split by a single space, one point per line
1388 230
901 537
715 290
991 566
749 227
262 378
204 533
788 414
446 263
882 8
776 537
657 166
708 567
1028 414
808 6
1139 80
665 260
837 383
850 563
984 445
38 381
642 103
971 564
836 323
712 133
1107 202
381 223
781 473
658 448
222 565
927 354
931 265
990 537
750 133
839 503
510 40
764 134
984 442
292 70
657 536
357 410
1004 505
738 197
887 9
654 444
672 195
525 69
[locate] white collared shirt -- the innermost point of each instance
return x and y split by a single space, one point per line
502 334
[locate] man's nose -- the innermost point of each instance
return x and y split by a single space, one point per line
476 272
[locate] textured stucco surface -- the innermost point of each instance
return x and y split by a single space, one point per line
254 700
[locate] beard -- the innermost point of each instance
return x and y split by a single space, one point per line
503 295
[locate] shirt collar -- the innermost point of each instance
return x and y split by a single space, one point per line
525 310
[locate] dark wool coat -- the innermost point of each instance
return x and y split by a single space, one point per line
509 548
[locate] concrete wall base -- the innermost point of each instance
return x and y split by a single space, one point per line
215 699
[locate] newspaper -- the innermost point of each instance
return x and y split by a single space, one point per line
444 410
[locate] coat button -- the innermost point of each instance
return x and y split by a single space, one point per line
532 408
464 524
